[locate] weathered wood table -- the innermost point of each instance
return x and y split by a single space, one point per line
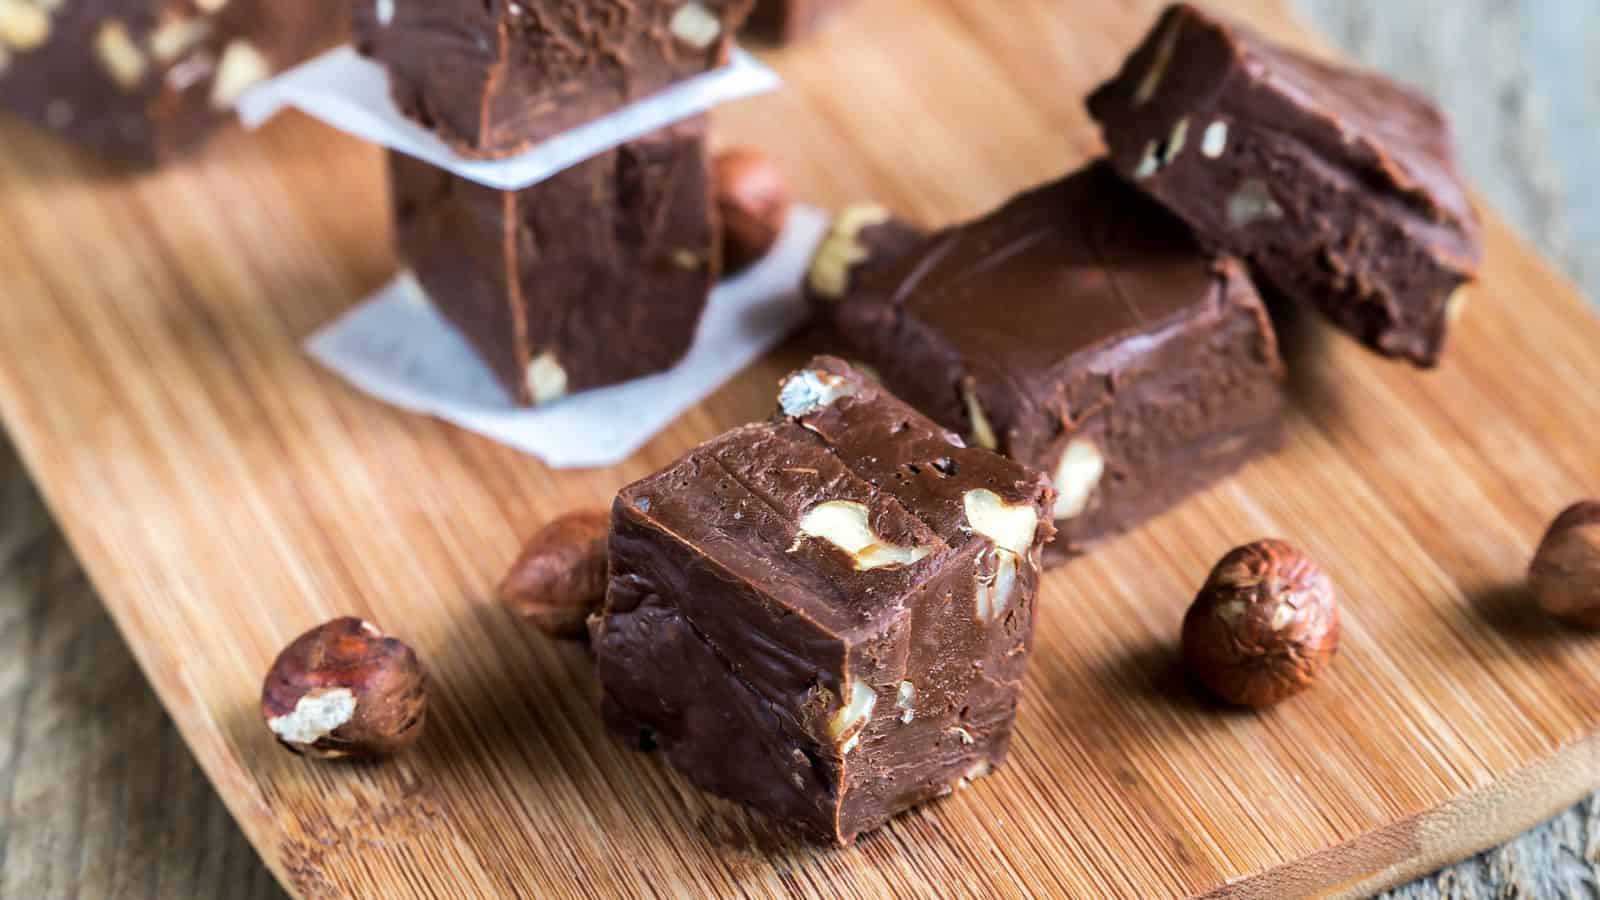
99 797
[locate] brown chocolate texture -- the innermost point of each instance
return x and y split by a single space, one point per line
1080 330
827 615
1337 186
493 77
786 21
861 239
145 81
596 276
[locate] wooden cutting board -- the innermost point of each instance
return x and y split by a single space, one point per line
225 494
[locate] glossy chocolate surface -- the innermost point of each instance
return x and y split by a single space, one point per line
828 682
1079 312
1338 186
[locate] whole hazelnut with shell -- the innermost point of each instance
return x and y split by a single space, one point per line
1565 575
753 199
343 689
1264 626
560 576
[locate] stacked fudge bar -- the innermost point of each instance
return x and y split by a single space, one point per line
826 615
145 81
1079 329
599 274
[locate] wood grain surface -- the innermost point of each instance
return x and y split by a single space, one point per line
224 495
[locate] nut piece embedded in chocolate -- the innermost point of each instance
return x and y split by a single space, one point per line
753 199
146 81
1338 186
342 689
493 78
560 578
596 276
1082 331
1264 626
826 616
1565 575
862 238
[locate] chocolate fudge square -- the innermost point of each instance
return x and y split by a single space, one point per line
1082 331
1338 187
597 276
493 77
786 21
146 81
827 615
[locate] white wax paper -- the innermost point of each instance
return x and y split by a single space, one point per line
351 93
396 347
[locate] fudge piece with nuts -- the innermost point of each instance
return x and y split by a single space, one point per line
1338 186
786 21
862 238
146 80
493 77
1082 331
593 277
827 615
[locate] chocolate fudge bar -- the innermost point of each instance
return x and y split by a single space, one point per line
1082 331
786 21
861 239
825 616
145 81
493 77
1337 186
596 276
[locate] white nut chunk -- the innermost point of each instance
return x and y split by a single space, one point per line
847 725
119 55
808 391
1251 203
842 248
1077 476
982 431
315 716
1151 82
844 524
696 25
905 700
994 590
547 380
175 37
1011 528
23 25
1215 141
241 68
1008 526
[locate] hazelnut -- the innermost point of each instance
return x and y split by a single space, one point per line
1565 575
1263 627
560 578
753 200
847 525
342 689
